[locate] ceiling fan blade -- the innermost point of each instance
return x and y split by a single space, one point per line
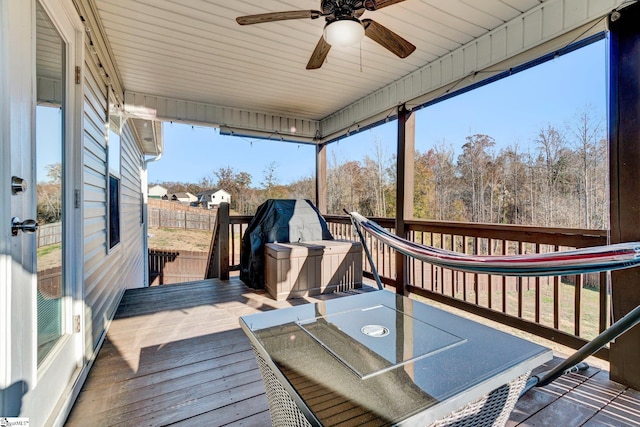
278 16
319 54
384 3
387 38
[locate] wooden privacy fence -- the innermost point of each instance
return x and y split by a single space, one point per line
187 220
172 205
50 283
49 234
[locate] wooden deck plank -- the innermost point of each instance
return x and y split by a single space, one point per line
123 382
260 419
227 414
175 355
110 349
575 400
187 374
179 331
624 410
210 407
149 406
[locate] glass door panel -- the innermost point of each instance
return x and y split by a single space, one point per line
49 145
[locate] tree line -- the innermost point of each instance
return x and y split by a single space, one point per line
560 179
245 195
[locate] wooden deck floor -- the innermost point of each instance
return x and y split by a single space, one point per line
175 355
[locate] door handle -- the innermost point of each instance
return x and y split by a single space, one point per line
26 226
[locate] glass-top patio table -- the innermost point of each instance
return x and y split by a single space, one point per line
379 358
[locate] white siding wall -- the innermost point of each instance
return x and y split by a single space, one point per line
131 228
107 272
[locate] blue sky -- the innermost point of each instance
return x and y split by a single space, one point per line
48 134
511 110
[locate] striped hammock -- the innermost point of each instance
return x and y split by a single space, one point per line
578 261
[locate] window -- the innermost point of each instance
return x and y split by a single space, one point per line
113 160
114 211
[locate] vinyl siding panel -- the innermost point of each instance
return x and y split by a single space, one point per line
107 272
131 228
94 193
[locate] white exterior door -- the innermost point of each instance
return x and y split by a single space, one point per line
41 272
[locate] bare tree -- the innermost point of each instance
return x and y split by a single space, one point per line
474 164
237 184
553 160
49 207
303 188
270 181
514 169
54 172
243 196
586 131
446 188
424 204
373 180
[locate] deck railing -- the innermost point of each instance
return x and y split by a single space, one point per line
237 226
570 310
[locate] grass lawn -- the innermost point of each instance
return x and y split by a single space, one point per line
590 306
176 238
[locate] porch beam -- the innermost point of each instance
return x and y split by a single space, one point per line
321 178
405 185
624 140
230 121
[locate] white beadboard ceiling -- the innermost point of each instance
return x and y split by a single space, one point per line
189 60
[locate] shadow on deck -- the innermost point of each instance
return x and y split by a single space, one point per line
175 355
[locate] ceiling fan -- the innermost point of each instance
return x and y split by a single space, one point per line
343 27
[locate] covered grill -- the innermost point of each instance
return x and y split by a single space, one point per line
281 221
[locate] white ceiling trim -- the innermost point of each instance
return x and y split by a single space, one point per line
231 121
544 29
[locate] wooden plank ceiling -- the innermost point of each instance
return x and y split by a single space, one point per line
193 50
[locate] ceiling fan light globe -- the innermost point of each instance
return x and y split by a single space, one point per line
344 33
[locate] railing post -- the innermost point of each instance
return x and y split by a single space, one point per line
321 178
404 187
624 171
223 240
213 260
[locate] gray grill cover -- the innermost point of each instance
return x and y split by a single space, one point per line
278 220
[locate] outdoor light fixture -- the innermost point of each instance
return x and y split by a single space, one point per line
344 32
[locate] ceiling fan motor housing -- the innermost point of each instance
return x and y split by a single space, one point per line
335 10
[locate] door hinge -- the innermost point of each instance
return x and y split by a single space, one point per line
76 323
77 74
76 199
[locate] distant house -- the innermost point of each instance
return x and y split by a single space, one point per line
212 198
184 197
157 192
